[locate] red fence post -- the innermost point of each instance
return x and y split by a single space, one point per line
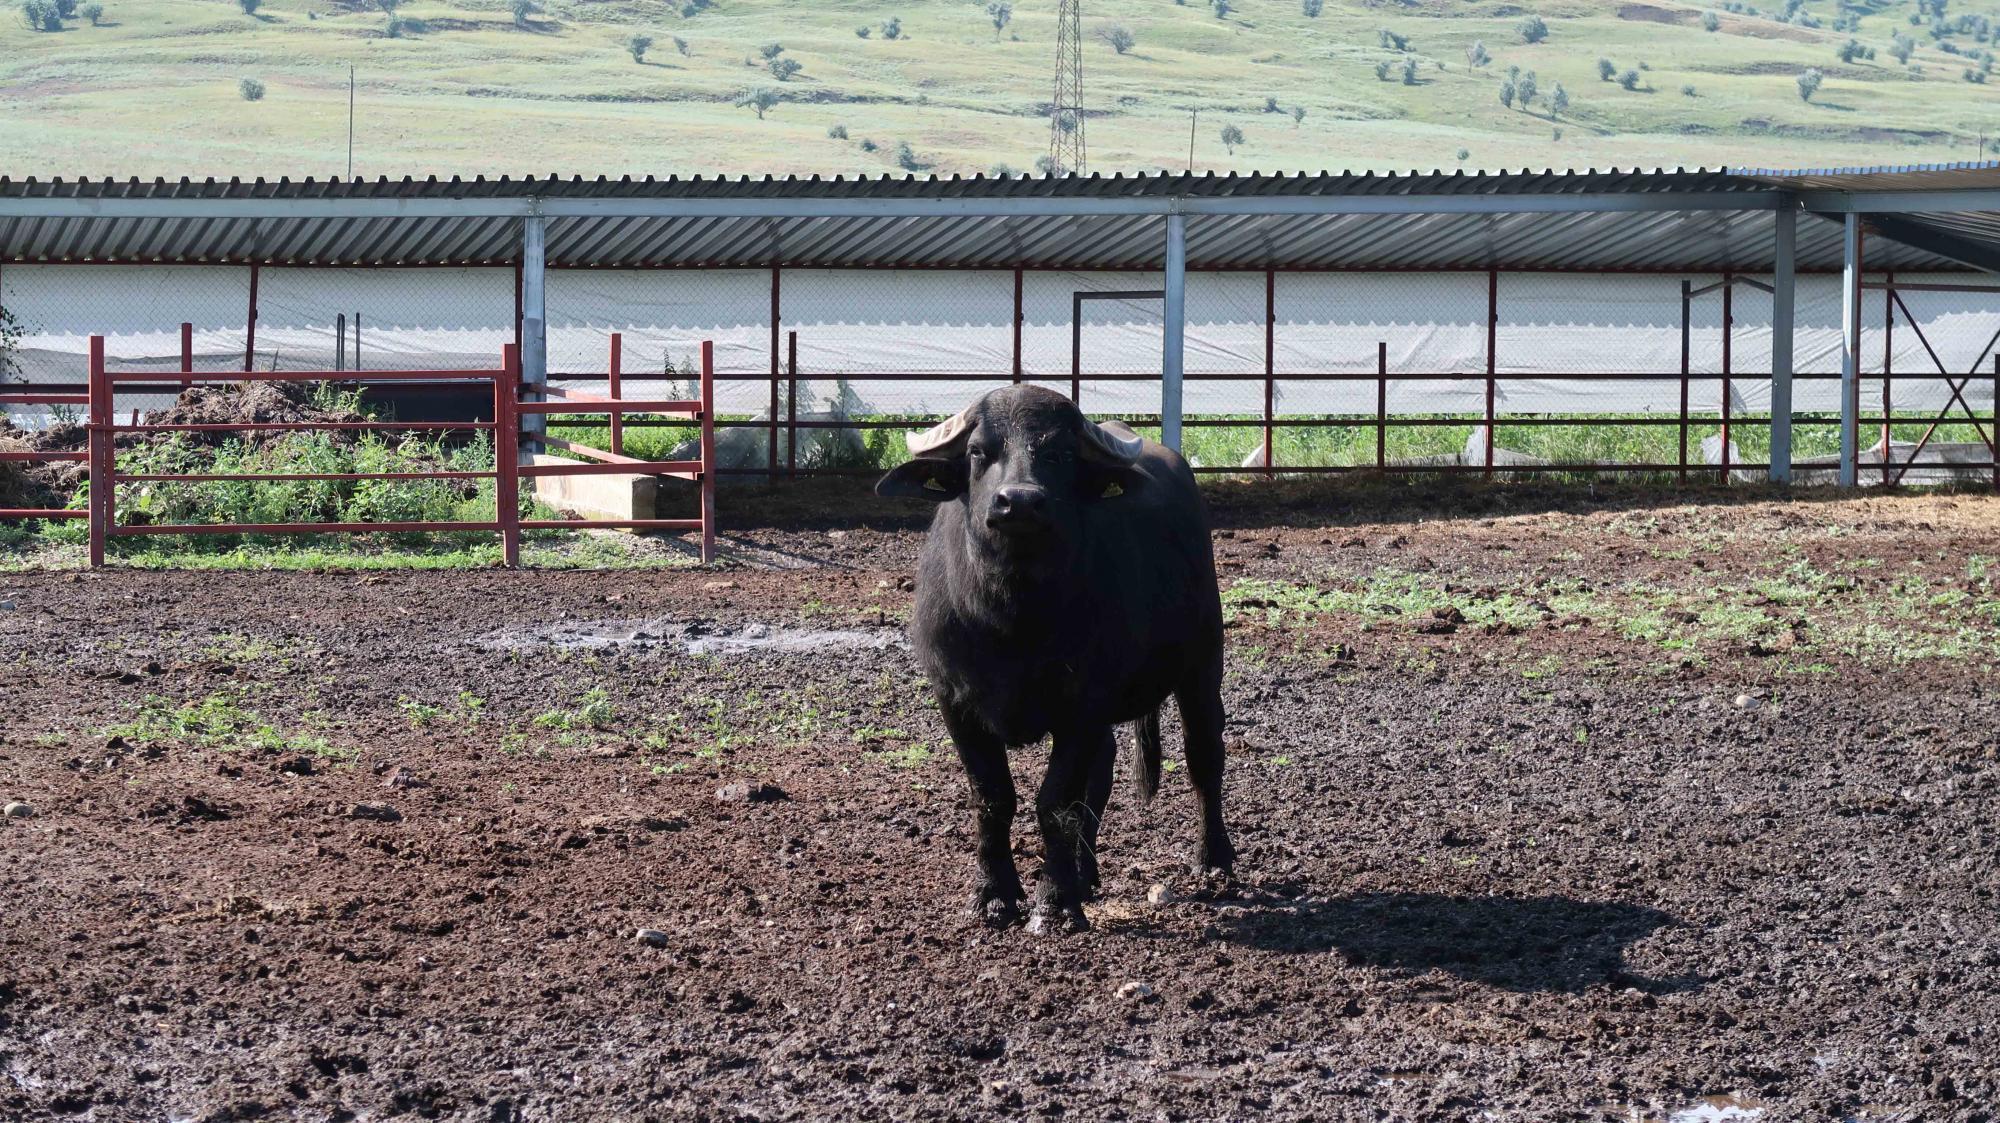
250 325
792 404
101 484
1492 347
1728 332
507 454
708 448
187 354
1888 363
616 372
1270 365
1382 405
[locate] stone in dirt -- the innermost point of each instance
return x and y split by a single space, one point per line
651 937
377 812
1748 702
18 810
1159 895
1135 991
294 765
743 791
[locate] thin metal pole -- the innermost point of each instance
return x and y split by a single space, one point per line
1687 313
1850 346
1173 341
1783 291
616 376
1728 336
1076 347
1381 405
507 454
1888 367
792 404
771 459
102 487
357 342
1018 317
187 353
1492 357
1270 366
1996 422
340 339
250 324
707 451
534 326
350 120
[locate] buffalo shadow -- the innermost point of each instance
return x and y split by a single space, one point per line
1514 943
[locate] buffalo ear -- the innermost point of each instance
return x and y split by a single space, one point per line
925 477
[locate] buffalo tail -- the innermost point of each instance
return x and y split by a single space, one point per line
1146 778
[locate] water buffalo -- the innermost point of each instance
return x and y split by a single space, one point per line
1067 586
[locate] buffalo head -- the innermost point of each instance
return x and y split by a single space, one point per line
1024 461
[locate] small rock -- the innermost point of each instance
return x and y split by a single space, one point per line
402 778
379 812
1748 702
743 791
1159 895
295 765
718 586
7 606
18 810
1135 991
651 937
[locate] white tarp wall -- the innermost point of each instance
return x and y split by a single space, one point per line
956 326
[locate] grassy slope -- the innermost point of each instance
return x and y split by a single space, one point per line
155 93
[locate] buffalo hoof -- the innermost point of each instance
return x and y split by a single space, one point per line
996 910
1051 920
1216 861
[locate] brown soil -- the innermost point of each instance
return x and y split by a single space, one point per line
248 403
1529 876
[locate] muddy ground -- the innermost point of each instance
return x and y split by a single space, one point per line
1550 805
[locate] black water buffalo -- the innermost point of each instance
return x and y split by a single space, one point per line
1068 585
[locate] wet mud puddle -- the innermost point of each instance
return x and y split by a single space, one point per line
690 637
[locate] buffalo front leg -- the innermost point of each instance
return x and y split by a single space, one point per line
1201 725
1096 794
1063 809
998 896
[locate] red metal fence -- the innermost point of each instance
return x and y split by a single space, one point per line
504 385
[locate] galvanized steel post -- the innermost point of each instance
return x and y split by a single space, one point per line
1850 345
534 324
1173 334
1783 287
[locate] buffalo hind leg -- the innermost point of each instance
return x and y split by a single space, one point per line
998 896
1095 796
1201 728
1062 808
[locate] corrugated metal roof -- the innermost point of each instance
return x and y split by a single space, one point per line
1657 240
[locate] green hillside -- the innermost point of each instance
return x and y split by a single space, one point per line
463 87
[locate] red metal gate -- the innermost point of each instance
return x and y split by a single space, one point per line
508 408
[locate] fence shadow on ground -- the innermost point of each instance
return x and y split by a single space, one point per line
1515 943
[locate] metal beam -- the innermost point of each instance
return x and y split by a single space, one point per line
1918 236
1900 202
1173 332
999 207
1783 322
534 323
1850 345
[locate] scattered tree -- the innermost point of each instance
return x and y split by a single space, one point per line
1901 47
1977 77
638 45
251 89
770 51
1606 69
1000 15
1312 7
783 68
1507 93
250 6
681 45
892 28
522 10
1687 89
92 12
1464 154
1710 21
1534 29
1477 55
1393 42
1298 115
1044 166
1409 70
1231 137
864 31
1271 105
1809 83
1527 88
41 15
868 144
1222 7
1382 69
1120 37
1629 79
906 157
759 100
838 132
1558 101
